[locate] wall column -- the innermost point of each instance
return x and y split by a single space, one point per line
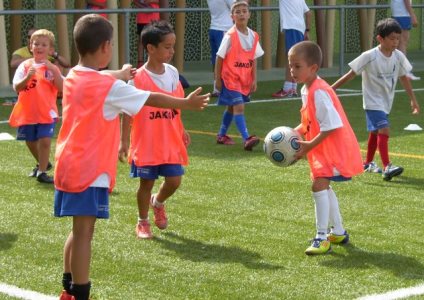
179 32
113 18
266 36
62 31
4 62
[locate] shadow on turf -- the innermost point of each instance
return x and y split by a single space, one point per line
7 240
413 182
199 251
356 258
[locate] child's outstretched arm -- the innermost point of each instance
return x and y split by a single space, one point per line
342 80
126 73
194 101
404 80
125 137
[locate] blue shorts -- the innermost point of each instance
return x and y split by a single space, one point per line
35 132
215 39
404 22
94 201
376 119
292 37
231 98
153 172
339 178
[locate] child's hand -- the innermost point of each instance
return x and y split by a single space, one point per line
254 87
127 72
31 72
305 147
186 138
197 101
123 152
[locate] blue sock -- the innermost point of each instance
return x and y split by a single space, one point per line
227 118
241 126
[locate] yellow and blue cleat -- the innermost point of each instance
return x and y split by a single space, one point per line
319 246
338 239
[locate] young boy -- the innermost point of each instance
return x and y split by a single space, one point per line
235 74
158 139
88 141
380 68
330 144
37 82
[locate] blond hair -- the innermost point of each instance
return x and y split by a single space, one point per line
238 3
43 33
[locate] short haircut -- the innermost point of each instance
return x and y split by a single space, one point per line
90 32
310 52
154 33
43 33
387 26
238 3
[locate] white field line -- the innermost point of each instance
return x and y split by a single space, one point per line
19 293
397 294
351 93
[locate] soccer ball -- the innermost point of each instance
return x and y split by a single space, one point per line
281 145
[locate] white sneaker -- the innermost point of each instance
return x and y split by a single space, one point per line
411 76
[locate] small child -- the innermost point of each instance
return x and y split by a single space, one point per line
330 145
235 74
88 142
380 68
37 82
158 139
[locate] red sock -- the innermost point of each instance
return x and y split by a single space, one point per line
372 147
383 148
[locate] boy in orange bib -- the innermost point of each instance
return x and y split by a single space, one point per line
235 74
88 142
37 82
330 144
158 139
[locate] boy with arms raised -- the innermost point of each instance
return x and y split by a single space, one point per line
158 139
37 82
88 141
380 68
235 74
330 144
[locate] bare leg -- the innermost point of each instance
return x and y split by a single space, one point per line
144 194
43 153
168 188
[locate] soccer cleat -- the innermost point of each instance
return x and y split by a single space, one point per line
143 230
338 239
65 296
285 94
372 168
251 142
224 140
160 218
34 171
44 178
319 246
391 171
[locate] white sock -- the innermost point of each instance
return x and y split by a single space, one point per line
215 90
322 213
141 220
39 172
287 85
335 216
156 203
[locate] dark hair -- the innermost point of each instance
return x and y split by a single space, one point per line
387 26
310 52
155 32
90 32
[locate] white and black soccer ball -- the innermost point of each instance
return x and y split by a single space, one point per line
281 145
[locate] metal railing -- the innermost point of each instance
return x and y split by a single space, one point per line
126 12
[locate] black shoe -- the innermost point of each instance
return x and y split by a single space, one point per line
44 178
34 171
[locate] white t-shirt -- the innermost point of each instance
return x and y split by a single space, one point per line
327 116
167 81
379 77
292 14
220 14
246 41
122 98
398 8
